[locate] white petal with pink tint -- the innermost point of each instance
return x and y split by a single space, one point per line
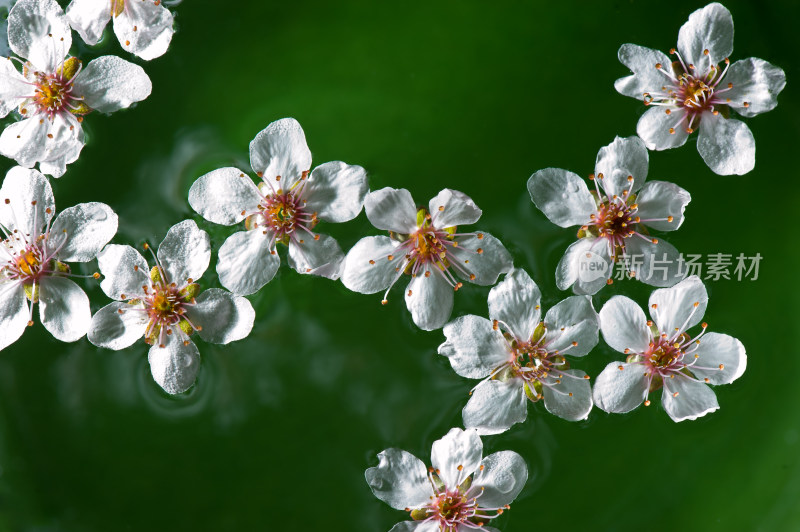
391 209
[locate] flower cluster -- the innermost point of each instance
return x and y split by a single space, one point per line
54 91
520 353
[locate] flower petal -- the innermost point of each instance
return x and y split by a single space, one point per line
473 347
174 366
429 299
660 200
456 456
628 154
586 266
515 302
26 198
222 316
39 32
224 196
679 308
657 264
684 398
13 313
569 399
706 39
572 320
451 208
336 191
503 476
624 325
144 29
316 256
494 406
246 262
620 387
125 272
642 62
483 256
400 479
755 82
661 131
391 209
118 325
415 526
562 196
82 231
725 356
63 308
279 153
62 144
109 83
13 86
89 19
24 141
366 267
726 145
185 252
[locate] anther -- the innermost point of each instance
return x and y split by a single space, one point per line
722 366
479 250
371 261
675 394
620 368
670 219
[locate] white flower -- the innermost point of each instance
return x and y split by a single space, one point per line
34 253
698 91
283 208
518 355
54 91
462 491
143 27
615 218
426 245
661 353
164 305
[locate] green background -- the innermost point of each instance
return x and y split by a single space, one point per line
470 95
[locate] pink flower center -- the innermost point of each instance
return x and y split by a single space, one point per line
52 94
690 92
457 508
28 265
165 305
283 214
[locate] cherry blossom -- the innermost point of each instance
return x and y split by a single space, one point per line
462 491
164 305
661 353
698 88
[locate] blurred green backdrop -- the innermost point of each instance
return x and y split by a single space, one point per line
280 427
